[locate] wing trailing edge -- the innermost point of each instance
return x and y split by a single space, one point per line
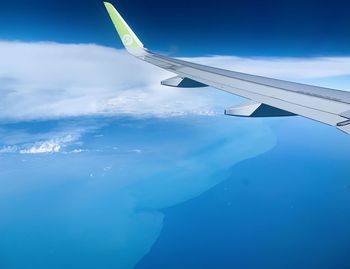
256 110
180 82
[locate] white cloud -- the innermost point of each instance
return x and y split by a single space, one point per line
44 143
51 146
8 149
44 147
285 68
78 151
49 80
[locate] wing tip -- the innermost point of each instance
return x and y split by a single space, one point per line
107 3
129 39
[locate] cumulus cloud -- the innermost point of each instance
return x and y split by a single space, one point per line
50 146
49 80
56 141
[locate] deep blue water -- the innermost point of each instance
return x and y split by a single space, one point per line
288 208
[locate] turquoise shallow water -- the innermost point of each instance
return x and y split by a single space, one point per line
89 193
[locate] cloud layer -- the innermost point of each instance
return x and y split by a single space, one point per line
49 80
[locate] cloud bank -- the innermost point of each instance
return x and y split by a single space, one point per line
50 80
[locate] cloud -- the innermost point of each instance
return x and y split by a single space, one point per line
8 149
50 80
56 141
284 68
50 146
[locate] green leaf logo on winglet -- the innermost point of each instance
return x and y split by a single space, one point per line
127 40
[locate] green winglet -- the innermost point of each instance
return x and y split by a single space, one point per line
129 39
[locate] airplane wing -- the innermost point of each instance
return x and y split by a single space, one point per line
268 97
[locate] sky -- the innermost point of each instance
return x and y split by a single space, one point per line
187 28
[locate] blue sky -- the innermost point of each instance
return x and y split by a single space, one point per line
187 28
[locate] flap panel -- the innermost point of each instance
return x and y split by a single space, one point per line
182 83
254 109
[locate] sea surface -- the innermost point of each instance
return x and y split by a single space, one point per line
90 192
179 192
287 208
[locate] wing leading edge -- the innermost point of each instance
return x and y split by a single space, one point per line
325 105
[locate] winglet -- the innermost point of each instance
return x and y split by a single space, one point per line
128 37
